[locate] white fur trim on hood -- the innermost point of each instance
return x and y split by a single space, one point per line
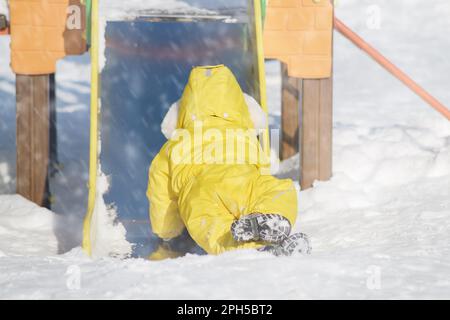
169 124
257 114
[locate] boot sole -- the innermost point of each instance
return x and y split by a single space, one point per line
271 228
296 243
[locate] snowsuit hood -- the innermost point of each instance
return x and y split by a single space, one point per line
214 97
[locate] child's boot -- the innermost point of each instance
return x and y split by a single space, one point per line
272 228
296 243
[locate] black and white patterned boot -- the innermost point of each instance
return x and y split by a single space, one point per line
271 228
296 243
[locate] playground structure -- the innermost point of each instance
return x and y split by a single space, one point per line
306 89
38 41
145 48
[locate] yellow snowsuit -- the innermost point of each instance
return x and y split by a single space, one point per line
200 181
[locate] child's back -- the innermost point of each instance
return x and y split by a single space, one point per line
212 172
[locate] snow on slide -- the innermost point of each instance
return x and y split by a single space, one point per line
114 9
108 236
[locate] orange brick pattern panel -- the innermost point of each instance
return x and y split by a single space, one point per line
37 28
300 33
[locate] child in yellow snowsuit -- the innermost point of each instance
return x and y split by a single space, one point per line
224 199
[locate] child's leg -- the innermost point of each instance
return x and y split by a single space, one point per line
208 212
274 196
210 207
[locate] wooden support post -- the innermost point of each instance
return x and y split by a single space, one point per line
316 131
307 101
34 98
306 121
290 106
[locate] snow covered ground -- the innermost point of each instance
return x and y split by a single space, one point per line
380 228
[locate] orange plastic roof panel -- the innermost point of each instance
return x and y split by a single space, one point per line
299 33
37 29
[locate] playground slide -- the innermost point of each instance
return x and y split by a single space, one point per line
147 60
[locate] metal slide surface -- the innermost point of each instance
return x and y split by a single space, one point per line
147 63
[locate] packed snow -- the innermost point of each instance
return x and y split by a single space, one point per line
380 227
